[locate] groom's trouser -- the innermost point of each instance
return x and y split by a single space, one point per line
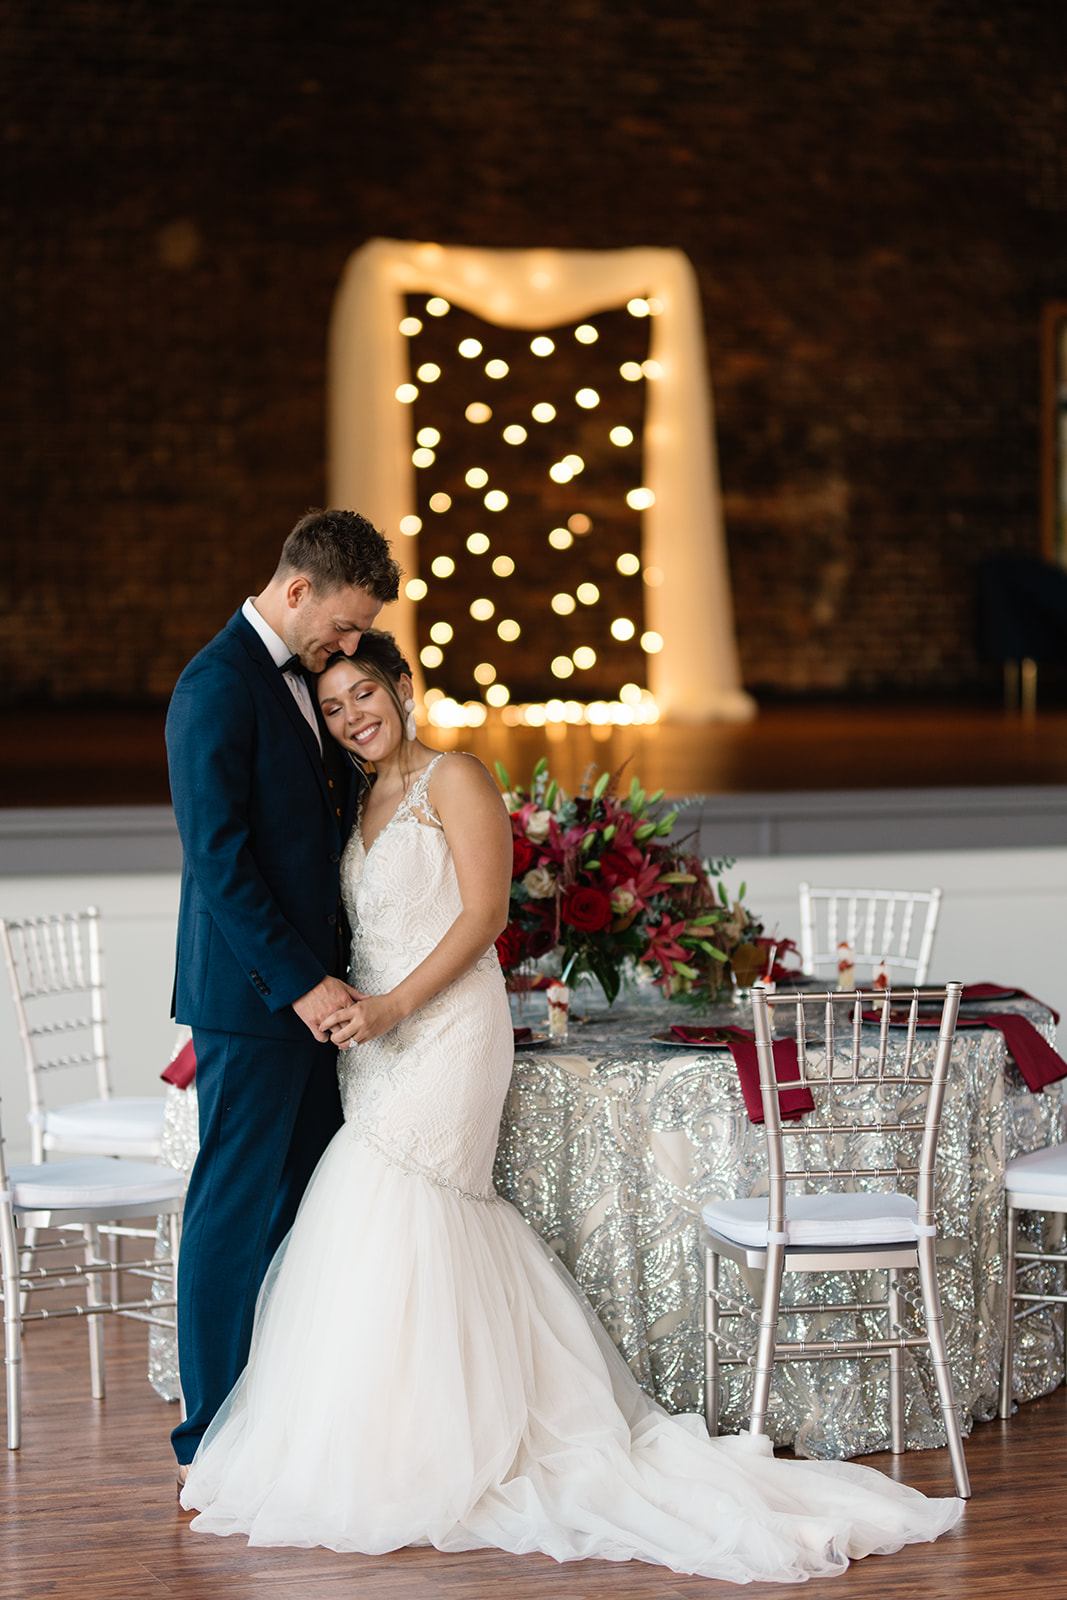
268 1108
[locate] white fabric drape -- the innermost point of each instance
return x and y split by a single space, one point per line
695 677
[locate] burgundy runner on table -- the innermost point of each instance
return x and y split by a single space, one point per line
997 991
182 1070
792 1103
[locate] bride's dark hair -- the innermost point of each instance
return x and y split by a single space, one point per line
378 656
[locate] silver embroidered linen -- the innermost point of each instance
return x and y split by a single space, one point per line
611 1144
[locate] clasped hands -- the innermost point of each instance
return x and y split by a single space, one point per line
336 1013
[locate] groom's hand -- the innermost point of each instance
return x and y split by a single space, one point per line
321 1002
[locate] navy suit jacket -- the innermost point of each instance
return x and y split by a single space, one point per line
262 829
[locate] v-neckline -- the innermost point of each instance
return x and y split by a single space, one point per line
404 801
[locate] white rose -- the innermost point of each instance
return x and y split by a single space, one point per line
537 826
539 883
622 901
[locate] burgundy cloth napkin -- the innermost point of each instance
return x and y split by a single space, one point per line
522 1033
792 1103
1036 1060
996 991
182 1070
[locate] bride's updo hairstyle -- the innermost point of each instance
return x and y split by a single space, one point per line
378 656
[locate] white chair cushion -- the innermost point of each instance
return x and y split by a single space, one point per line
124 1118
1040 1172
819 1219
49 1185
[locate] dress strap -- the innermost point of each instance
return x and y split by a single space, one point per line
416 798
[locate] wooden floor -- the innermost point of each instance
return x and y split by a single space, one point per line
90 758
88 1512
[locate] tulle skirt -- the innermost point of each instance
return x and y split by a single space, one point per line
424 1371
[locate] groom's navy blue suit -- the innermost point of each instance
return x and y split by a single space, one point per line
262 825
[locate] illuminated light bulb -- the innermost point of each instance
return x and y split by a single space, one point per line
653 577
410 326
652 369
563 604
621 436
622 716
588 593
586 334
423 458
655 307
535 716
579 523
416 589
442 566
477 477
559 472
573 711
495 500
431 656
575 463
630 694
469 348
631 371
597 713
562 666
628 564
496 369
508 630
438 307
543 412
561 539
428 437
511 716
476 714
429 372
503 566
514 433
432 696
622 628
441 632
554 710
640 499
498 694
440 501
542 345
482 610
651 643
478 411
485 672
477 543
410 525
584 657
587 399
406 393
637 308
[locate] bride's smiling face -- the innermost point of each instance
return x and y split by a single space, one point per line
360 712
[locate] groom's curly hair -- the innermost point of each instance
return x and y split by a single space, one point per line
338 549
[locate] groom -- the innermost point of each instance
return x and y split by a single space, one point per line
263 800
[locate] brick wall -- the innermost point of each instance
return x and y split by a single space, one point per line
874 196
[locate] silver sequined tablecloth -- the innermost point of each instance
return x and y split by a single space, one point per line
611 1143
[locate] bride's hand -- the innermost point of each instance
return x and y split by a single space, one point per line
370 1017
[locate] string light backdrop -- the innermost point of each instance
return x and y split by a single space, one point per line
578 505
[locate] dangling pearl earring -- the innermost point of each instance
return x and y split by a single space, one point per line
410 731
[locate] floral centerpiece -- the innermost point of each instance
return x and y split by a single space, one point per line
600 886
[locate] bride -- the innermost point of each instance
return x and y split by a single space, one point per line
423 1370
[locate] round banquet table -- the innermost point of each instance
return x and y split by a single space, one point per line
612 1140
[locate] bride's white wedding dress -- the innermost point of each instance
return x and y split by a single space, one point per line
424 1371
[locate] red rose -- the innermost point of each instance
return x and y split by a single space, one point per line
523 856
586 909
509 946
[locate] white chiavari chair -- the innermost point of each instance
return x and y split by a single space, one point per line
891 926
1035 1182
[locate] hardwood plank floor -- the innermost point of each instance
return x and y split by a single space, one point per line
88 758
87 1510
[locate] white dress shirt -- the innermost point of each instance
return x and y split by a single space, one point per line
279 654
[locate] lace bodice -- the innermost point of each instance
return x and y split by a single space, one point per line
429 1092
